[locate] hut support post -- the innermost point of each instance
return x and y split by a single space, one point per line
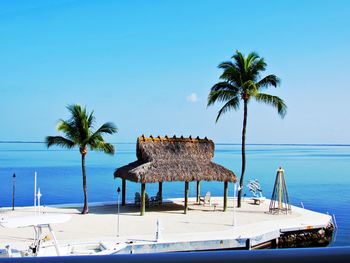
143 199
225 195
186 197
198 192
160 191
123 191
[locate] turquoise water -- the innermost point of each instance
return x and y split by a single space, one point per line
318 176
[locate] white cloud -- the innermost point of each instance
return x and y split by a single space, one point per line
192 98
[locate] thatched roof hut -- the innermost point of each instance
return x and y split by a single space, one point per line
174 159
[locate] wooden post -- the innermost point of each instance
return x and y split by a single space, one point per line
186 197
198 192
160 191
225 195
143 199
123 191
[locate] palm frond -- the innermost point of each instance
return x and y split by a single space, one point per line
59 141
104 147
249 87
274 101
69 130
241 81
226 65
269 80
222 95
80 121
91 120
232 104
108 128
232 75
250 61
78 129
96 137
256 67
239 61
224 85
76 112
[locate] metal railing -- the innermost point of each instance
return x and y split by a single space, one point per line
307 255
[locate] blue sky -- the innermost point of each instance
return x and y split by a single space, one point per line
148 66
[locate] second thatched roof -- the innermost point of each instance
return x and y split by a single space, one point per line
174 159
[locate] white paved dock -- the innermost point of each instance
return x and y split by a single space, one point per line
200 223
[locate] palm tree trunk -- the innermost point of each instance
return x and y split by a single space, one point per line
243 153
86 208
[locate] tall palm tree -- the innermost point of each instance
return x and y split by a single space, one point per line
241 82
79 133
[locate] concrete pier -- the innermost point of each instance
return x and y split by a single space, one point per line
204 227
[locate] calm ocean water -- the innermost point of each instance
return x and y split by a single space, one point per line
318 176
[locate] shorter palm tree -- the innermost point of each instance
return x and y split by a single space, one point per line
79 133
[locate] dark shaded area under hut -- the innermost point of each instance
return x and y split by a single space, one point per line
174 159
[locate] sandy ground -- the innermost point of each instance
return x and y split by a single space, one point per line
200 223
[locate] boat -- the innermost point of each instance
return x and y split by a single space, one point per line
41 248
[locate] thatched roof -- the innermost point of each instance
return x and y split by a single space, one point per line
174 159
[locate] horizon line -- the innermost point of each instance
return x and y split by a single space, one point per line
219 143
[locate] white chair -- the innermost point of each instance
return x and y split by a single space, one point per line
255 188
205 199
